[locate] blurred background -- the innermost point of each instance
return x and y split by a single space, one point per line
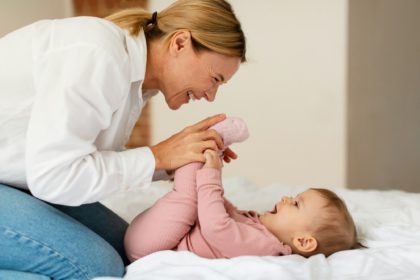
330 92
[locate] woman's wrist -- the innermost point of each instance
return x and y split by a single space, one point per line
158 164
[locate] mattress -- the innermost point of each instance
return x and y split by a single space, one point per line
388 223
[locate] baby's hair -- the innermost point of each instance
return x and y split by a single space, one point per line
335 230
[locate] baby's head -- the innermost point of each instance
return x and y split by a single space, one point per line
315 221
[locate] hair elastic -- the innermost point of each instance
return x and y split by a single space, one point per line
153 20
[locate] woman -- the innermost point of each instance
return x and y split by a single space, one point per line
70 93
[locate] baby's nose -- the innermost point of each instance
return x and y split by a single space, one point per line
286 199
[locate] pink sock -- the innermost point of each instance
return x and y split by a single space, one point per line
232 130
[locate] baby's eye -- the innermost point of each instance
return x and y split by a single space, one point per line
296 204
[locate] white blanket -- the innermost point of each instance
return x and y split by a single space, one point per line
388 223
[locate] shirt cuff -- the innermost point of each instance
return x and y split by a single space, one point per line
139 167
161 175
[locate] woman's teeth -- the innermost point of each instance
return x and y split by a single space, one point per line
191 95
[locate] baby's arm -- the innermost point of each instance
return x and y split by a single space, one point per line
223 233
162 226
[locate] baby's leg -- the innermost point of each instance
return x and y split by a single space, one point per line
162 226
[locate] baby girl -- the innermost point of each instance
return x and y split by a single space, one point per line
196 217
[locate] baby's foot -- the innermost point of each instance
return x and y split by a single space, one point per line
232 130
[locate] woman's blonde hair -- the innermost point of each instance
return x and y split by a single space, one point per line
212 24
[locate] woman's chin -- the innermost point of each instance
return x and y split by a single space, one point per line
176 104
174 107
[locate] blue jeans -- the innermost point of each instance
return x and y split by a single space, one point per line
45 241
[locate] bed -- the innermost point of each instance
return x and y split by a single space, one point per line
388 223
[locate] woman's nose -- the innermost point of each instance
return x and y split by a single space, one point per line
211 93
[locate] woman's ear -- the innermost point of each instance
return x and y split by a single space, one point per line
180 42
305 244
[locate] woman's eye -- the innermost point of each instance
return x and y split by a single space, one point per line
216 80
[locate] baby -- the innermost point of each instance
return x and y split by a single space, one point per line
195 217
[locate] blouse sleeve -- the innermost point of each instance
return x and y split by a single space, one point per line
78 88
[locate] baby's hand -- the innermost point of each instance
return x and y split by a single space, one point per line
213 160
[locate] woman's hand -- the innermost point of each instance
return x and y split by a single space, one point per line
228 155
189 144
212 160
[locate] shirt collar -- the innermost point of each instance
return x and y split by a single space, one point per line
137 52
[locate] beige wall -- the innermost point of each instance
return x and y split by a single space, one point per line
17 13
291 93
314 118
384 94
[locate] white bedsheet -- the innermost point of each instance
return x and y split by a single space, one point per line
388 223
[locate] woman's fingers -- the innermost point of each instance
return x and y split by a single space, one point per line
212 134
209 144
206 123
230 154
188 145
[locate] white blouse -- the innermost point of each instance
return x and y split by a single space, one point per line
70 94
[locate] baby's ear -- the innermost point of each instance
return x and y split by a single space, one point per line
305 244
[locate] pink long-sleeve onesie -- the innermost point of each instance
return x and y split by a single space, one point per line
195 217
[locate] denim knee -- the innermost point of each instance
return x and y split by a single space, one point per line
108 264
37 238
